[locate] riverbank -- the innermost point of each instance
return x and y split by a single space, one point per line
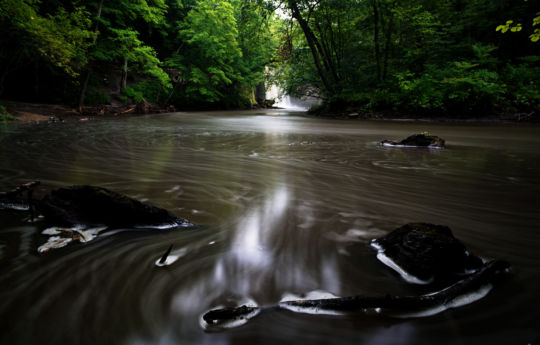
36 113
533 115
39 112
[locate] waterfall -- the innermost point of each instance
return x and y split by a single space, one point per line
285 101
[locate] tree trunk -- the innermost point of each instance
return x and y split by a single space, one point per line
376 38
260 93
388 42
11 65
84 85
312 43
123 82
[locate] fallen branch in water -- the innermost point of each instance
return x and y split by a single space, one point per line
12 200
129 110
488 274
25 187
166 255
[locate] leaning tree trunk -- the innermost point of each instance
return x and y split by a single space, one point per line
84 85
312 43
387 46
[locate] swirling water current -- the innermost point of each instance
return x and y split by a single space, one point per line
285 204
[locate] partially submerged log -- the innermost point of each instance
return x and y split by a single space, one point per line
15 197
465 291
166 255
417 140
423 253
14 200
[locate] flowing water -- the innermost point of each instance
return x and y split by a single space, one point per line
285 204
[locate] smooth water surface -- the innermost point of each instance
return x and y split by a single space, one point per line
286 204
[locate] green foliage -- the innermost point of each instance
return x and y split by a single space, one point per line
142 58
535 36
4 115
510 26
149 90
210 31
97 97
414 56
522 82
225 48
118 41
61 38
417 55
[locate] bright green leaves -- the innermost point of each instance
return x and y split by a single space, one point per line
226 46
465 85
142 58
60 38
535 36
508 26
210 30
119 45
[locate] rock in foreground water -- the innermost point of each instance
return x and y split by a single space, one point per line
423 252
417 140
89 206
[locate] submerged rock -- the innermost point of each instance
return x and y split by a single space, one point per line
417 140
423 253
89 206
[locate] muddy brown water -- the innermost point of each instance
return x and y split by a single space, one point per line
285 204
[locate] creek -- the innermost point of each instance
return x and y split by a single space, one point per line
285 204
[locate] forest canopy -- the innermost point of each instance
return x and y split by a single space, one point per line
455 57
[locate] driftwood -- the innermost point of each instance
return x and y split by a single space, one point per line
129 110
16 192
491 273
166 255
13 199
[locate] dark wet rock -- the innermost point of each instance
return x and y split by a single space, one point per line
89 205
417 140
427 252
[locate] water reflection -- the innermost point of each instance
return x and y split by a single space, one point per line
261 262
251 245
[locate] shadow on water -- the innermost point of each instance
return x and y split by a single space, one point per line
287 205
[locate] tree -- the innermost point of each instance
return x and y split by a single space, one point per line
224 47
60 38
116 41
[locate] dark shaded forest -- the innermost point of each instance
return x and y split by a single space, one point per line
451 57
